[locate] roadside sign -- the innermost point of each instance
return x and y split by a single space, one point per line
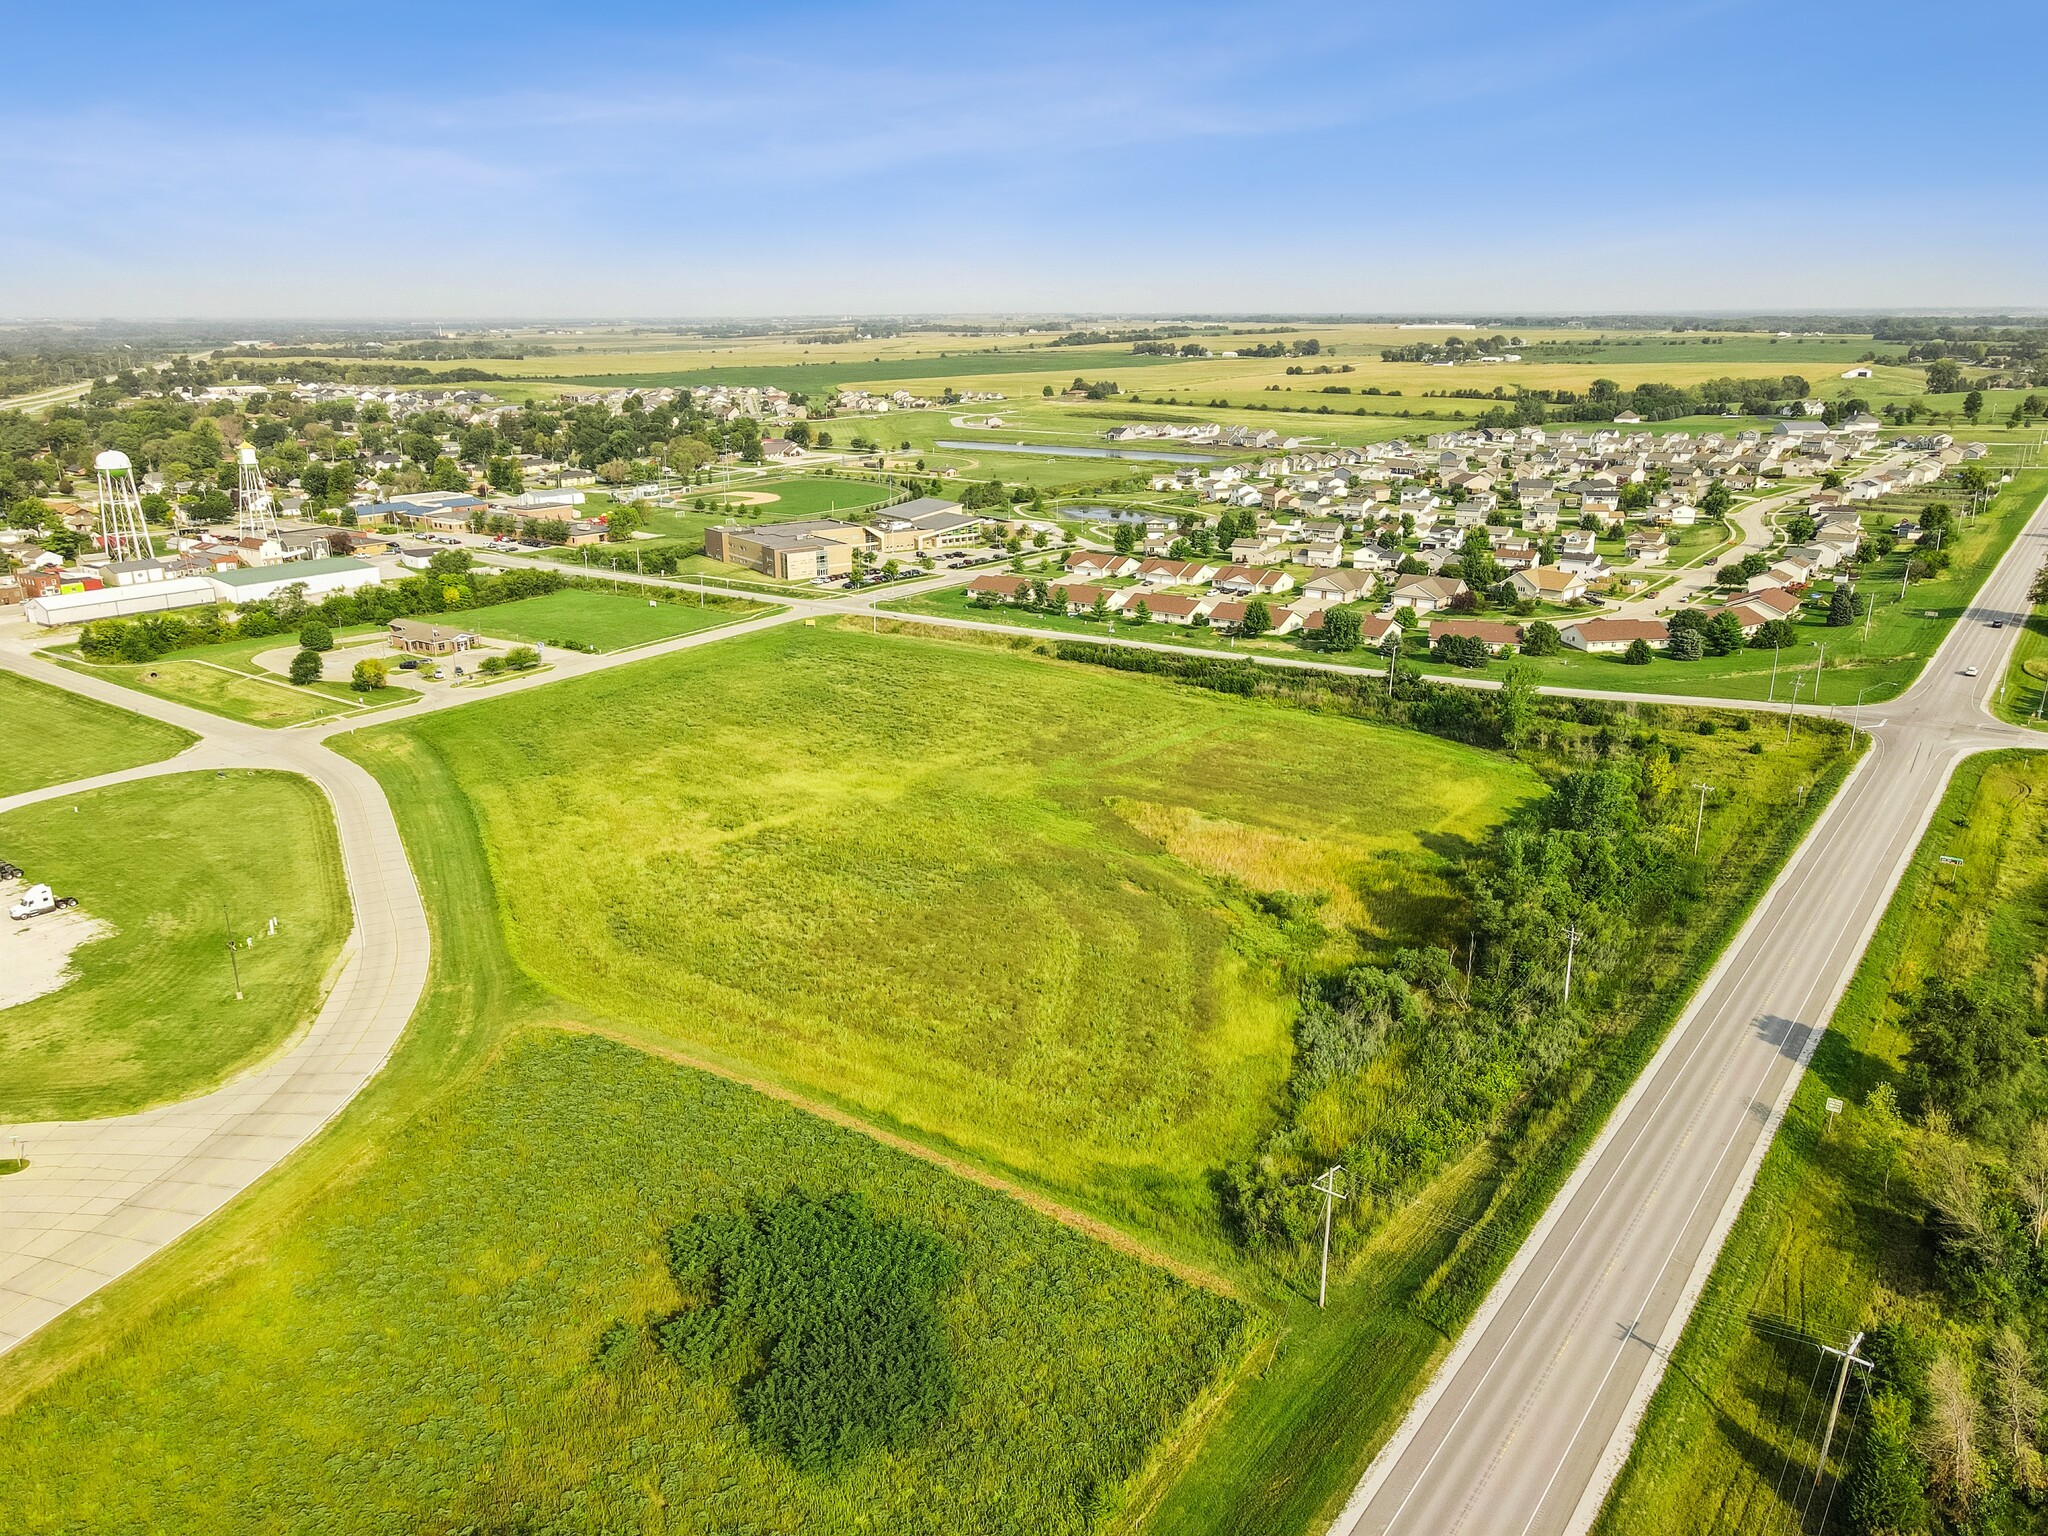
1834 1106
1949 858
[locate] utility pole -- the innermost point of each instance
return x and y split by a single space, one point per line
1817 663
1849 1358
1327 1184
1790 704
1700 819
1772 696
1571 945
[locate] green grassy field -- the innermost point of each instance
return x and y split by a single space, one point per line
1831 1237
357 1294
969 893
224 680
425 1351
169 864
54 737
595 621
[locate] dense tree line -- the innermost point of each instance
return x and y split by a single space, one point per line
452 587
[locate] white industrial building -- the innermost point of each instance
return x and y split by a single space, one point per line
318 577
120 602
337 573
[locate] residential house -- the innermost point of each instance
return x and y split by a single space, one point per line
1171 607
1258 550
1549 584
1374 557
1338 587
1372 628
1497 635
1648 548
1323 556
1598 636
1427 594
1231 614
1176 573
1008 588
1244 581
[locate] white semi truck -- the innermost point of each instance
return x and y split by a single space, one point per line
37 900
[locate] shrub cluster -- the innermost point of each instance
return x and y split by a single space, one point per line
827 1315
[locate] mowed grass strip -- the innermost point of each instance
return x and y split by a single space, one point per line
421 1352
172 865
246 696
54 737
913 877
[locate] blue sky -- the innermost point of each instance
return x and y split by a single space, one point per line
451 161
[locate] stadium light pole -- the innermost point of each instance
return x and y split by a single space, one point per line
1327 1184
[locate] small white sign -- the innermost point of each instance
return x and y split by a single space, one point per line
1834 1106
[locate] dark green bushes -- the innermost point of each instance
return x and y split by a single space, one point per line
830 1317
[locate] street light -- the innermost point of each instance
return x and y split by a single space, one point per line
1700 819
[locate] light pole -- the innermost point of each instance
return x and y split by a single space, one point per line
1790 704
234 964
1327 1184
1700 818
1857 719
1571 945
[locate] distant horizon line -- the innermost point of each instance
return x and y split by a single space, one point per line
1033 319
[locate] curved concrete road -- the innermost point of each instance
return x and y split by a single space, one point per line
1529 1420
100 1196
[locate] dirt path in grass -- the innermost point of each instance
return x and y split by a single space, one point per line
1066 1215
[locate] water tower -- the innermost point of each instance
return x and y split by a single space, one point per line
255 509
122 534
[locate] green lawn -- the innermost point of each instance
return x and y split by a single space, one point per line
2024 698
170 864
54 737
224 679
1834 1235
595 621
423 1351
967 892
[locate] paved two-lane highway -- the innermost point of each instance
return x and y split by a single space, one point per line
1524 1428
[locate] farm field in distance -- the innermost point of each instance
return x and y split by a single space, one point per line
54 737
1850 1227
466 1335
168 864
970 893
